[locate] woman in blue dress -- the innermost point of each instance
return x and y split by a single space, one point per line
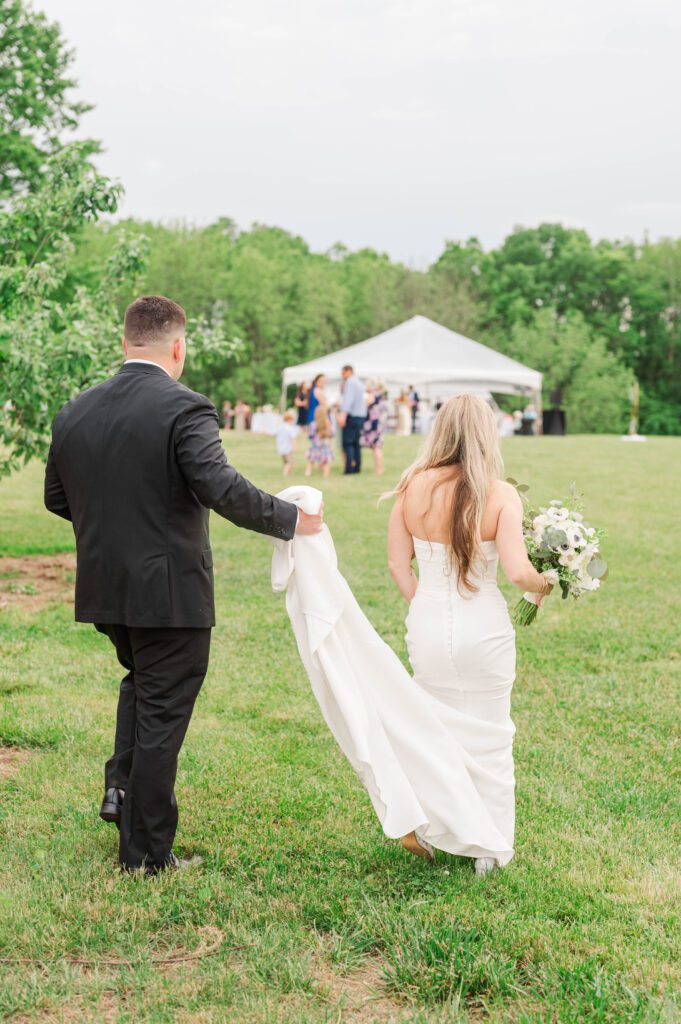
319 429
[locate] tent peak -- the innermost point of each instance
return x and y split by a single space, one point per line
422 352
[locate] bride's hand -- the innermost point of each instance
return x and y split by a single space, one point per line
307 524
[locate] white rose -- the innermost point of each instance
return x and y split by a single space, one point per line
552 576
587 582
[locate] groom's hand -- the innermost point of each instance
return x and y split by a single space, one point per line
309 524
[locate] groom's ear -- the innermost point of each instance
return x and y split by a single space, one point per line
125 345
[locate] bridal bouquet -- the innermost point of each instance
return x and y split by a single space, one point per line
563 548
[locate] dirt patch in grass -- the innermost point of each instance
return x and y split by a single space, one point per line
358 996
11 759
35 581
106 1009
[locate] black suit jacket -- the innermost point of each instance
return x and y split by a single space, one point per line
135 463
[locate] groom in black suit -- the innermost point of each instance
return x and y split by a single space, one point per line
135 463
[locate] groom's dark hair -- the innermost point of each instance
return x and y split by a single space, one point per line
152 318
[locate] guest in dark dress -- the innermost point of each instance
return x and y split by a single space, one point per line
301 402
414 399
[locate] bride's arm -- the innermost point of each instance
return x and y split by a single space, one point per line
401 551
511 546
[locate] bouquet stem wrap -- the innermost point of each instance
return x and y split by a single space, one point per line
526 610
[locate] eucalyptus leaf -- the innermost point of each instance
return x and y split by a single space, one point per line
510 480
555 537
523 488
597 568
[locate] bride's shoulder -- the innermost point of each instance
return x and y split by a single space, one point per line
423 482
503 493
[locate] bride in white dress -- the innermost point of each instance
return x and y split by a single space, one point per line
456 516
434 752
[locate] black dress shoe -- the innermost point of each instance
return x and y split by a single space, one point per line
173 863
112 805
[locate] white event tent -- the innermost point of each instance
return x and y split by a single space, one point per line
437 361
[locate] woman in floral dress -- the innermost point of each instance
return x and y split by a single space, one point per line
372 428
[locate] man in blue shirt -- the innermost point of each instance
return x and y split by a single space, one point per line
353 412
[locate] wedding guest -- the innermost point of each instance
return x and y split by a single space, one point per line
351 418
403 415
372 428
506 425
301 402
321 433
241 411
414 400
286 440
529 420
227 414
317 394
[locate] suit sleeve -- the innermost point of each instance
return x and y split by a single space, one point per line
219 486
55 495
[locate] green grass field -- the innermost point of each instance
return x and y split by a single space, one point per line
302 910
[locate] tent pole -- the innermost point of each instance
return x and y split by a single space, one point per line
282 397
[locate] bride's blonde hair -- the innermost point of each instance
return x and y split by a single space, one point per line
464 435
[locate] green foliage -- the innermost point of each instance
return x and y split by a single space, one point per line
629 297
572 357
58 337
49 351
35 109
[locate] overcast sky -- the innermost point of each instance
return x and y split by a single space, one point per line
395 124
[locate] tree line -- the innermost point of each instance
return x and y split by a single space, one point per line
591 316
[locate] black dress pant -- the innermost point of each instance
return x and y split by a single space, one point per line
351 446
165 670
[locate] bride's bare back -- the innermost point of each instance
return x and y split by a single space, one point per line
424 511
428 503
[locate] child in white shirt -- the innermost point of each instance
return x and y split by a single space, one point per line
286 441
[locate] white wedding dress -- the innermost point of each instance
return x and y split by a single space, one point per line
434 752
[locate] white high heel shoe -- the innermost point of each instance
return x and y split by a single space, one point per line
484 865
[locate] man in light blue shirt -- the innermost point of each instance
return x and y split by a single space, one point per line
353 412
